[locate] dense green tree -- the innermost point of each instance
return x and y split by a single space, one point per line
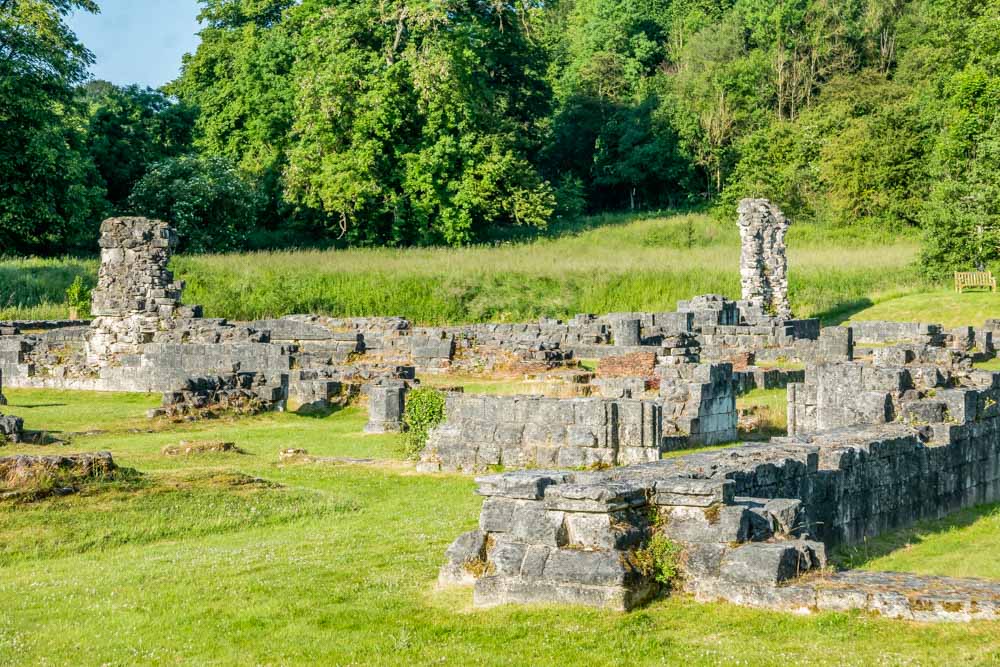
50 193
443 121
858 155
130 129
240 81
414 120
608 130
962 217
718 92
207 200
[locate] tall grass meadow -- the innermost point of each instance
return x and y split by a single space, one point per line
604 264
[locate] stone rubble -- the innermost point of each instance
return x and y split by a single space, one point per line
25 472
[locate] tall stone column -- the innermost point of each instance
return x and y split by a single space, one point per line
135 290
763 263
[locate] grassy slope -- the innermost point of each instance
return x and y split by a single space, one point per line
336 567
962 545
936 307
598 265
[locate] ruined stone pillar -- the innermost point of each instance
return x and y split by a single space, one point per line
386 402
763 264
135 290
626 332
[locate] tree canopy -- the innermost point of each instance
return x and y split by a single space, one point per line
448 121
50 193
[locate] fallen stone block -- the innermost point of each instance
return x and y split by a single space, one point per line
194 447
466 560
24 474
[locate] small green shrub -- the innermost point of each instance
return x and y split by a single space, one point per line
424 410
660 557
78 297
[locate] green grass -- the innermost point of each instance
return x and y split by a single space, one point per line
936 307
611 263
481 385
781 364
64 413
964 544
337 565
989 365
771 412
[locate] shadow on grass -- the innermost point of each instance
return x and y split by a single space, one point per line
871 549
42 438
843 312
319 413
37 405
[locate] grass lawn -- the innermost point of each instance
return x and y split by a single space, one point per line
964 544
770 412
480 385
202 562
936 307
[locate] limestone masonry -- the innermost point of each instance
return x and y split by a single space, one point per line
763 265
888 423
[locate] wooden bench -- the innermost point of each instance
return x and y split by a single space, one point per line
975 280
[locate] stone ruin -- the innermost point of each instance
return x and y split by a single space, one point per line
144 339
26 476
888 423
11 427
763 264
752 520
135 291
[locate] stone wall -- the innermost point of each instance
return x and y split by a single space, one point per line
881 332
699 404
763 264
846 394
754 377
245 393
747 518
696 406
532 431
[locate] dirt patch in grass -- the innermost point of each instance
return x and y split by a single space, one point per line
195 447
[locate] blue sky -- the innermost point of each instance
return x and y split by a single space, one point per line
138 41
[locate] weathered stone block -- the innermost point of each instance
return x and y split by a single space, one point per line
603 497
506 557
533 524
763 563
720 524
463 553
526 484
